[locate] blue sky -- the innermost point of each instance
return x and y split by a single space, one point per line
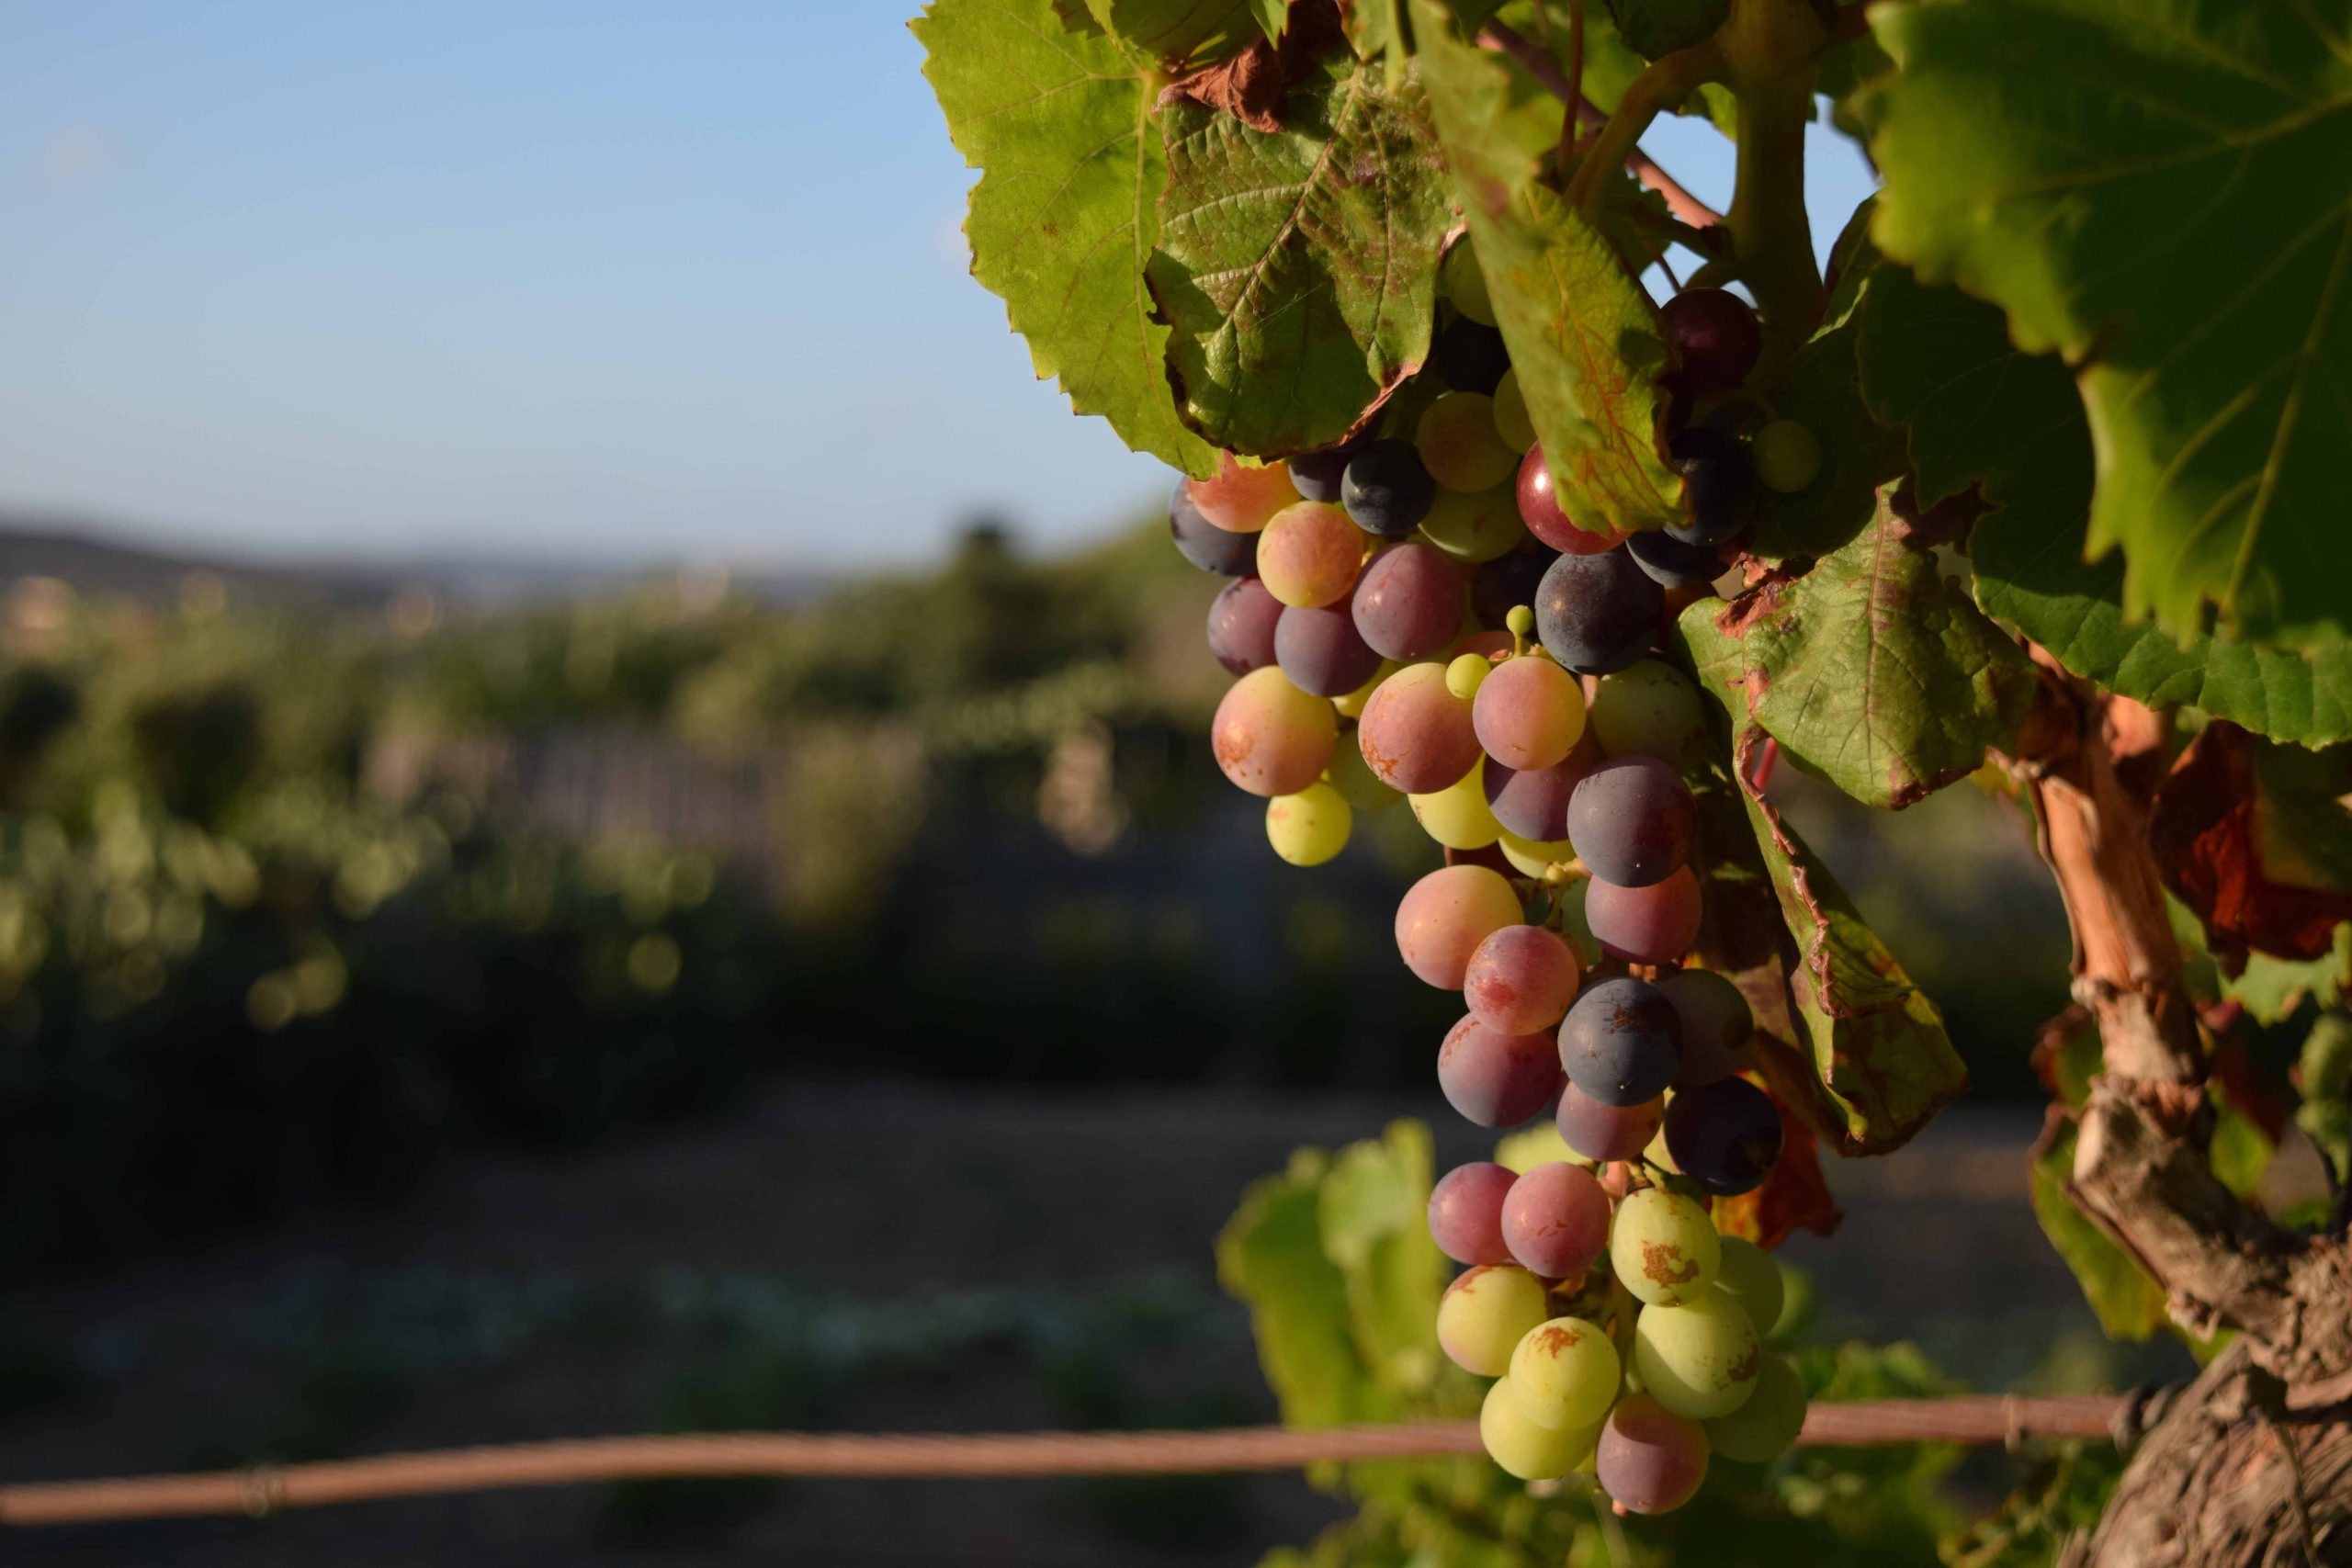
618 282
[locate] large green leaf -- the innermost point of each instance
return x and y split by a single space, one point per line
2156 189
1582 333
1057 121
1977 411
1297 268
1874 670
1179 32
1271 1256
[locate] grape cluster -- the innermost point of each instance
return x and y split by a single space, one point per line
1415 615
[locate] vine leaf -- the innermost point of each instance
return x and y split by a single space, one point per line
1655 27
1297 268
2255 838
1180 32
1582 333
1874 670
1978 412
2139 185
1066 210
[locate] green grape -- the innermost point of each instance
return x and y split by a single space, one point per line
1753 1276
1466 674
1352 776
1529 858
1484 1315
1526 1449
1649 709
1522 1151
1697 1359
1465 284
1510 413
1565 1373
1472 528
1351 703
1664 1246
1458 446
1767 1426
1457 816
1310 826
1787 456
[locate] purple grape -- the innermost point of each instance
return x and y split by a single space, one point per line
1242 619
1466 1213
1716 1024
1645 925
1556 1220
1670 563
1650 1459
1496 1080
1387 490
1718 483
1619 1042
1725 1135
1470 357
1317 648
1607 1132
1204 544
1509 580
1317 474
1715 336
1596 614
1533 802
1408 603
1632 820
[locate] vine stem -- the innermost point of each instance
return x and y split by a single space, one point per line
1771 50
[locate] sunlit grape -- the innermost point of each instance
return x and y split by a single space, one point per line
1270 737
1309 554
1310 826
1444 916
1649 1459
1457 816
1242 499
1484 1315
1525 1449
1699 1358
1529 713
1664 1246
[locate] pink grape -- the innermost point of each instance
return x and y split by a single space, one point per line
1556 1220
1522 979
1650 1459
1539 508
1645 925
1528 713
1270 737
1408 604
1466 1213
1603 1132
1241 499
1496 1079
1242 621
1309 554
1444 916
1416 734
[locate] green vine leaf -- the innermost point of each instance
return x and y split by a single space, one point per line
1057 121
1874 670
1179 33
1653 28
1978 412
1582 333
2152 187
1297 268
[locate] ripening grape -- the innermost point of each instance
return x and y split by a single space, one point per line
1787 456
1474 528
1387 490
1242 619
1460 280
1529 713
1520 979
1725 1135
1697 1359
1715 337
1444 916
1767 1426
1596 614
1510 413
1632 820
1564 1372
1456 816
1718 485
1417 734
1467 670
1408 603
1466 1213
1664 1246
1496 1080
1317 648
1458 446
1242 500
1600 1131
1618 1041
1204 544
1751 1276
1484 1314
1540 508
1348 773
1533 802
1309 554
1716 1024
1316 476
1529 857
1469 355
1556 1223
1649 1459
1349 704
1310 826
1649 709
1270 737
1524 1449
1507 581
1645 925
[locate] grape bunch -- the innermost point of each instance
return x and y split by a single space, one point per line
1415 615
